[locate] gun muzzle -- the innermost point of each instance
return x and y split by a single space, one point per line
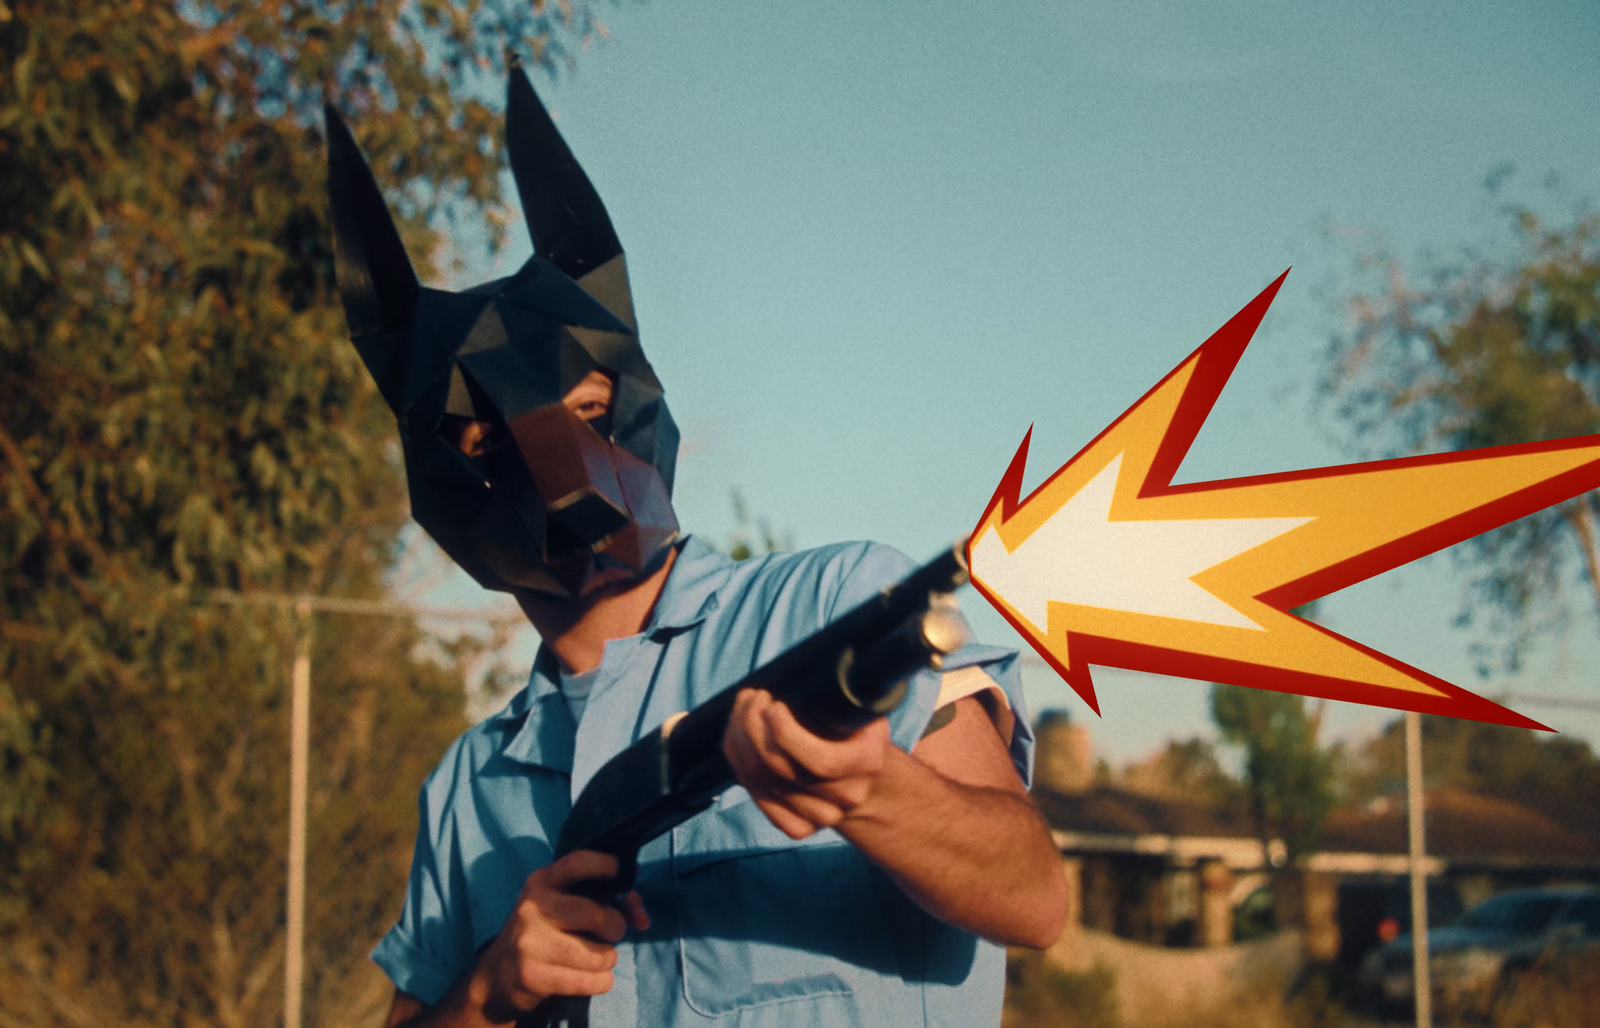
873 683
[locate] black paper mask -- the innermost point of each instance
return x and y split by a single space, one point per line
554 503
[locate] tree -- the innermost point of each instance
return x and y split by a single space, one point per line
1485 351
1288 776
1552 773
753 536
182 414
1187 771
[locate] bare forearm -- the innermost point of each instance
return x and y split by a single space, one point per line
457 1010
949 821
976 857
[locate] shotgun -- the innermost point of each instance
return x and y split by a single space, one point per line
836 681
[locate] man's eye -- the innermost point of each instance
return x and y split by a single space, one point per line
590 409
474 438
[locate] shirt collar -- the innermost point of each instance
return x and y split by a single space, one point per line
690 592
687 597
540 719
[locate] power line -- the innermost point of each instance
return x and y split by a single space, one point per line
1034 661
341 605
1532 700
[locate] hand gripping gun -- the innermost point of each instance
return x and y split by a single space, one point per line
836 682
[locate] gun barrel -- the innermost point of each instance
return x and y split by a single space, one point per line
874 683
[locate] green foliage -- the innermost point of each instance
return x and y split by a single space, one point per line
1256 916
1482 352
1188 771
1562 990
753 536
181 412
1552 773
1318 999
1288 776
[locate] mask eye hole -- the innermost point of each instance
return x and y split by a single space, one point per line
472 437
591 398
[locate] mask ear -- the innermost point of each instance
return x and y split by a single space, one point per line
569 224
376 281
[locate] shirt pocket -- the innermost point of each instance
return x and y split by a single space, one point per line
763 919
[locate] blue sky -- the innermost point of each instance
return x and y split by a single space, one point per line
871 243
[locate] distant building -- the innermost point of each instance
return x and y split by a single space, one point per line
1476 846
1174 873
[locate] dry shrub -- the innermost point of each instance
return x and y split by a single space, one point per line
1561 993
1263 1004
1041 995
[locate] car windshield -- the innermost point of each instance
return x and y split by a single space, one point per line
1520 915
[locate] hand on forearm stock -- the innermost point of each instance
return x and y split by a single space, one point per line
950 822
802 782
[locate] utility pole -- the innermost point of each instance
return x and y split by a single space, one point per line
299 756
1421 983
305 608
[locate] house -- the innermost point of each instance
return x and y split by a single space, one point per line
1175 873
1150 869
1476 846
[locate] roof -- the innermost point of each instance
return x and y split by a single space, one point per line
1107 810
1462 826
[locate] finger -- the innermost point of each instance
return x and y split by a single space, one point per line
825 759
784 735
579 866
633 910
810 758
773 754
515 999
816 811
548 980
820 811
579 914
749 765
735 739
559 949
786 820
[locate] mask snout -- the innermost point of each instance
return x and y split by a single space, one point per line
573 471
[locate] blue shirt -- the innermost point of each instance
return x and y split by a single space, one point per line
746 921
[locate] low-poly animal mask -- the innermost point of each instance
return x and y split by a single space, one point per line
549 502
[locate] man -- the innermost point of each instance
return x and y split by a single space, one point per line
843 882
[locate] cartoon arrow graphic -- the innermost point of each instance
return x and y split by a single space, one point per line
1110 563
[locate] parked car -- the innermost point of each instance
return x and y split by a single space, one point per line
1470 960
1373 913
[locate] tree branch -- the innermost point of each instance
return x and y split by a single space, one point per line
1579 515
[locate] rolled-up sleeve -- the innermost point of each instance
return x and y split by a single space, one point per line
877 567
1000 669
427 952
